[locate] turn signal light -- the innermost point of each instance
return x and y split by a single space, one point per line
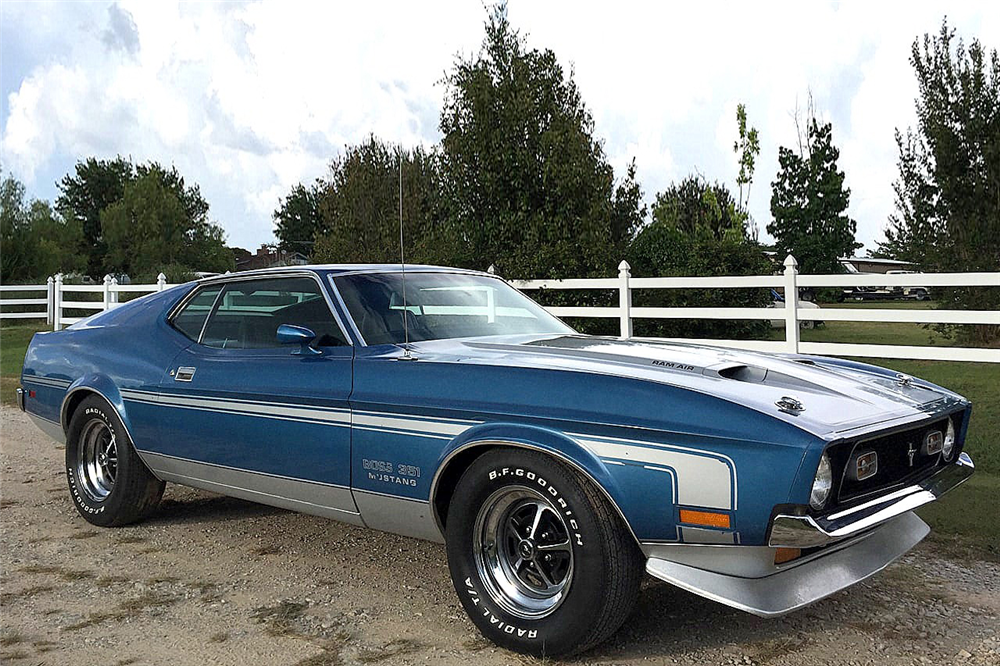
782 555
706 518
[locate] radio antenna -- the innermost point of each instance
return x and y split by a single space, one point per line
402 263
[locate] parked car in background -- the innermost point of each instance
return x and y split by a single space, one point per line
444 404
778 302
916 293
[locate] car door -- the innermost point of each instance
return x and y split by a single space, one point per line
247 416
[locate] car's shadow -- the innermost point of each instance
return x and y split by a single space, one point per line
206 509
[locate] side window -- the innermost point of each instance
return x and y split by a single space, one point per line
191 319
250 311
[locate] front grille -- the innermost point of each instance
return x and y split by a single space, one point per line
901 460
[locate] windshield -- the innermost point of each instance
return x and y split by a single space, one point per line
440 306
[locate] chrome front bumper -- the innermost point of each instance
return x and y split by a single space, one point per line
790 531
799 584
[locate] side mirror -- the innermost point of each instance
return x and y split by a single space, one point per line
289 334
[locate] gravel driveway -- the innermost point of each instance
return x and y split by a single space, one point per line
212 580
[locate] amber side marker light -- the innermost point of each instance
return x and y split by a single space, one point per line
782 555
706 518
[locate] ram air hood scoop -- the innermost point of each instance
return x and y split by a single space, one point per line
834 398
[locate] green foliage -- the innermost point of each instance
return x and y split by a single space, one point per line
297 220
95 185
37 241
696 208
696 230
747 146
136 219
359 206
158 221
948 190
527 186
809 204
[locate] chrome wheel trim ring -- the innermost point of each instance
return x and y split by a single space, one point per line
523 552
97 460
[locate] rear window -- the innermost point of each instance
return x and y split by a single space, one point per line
191 319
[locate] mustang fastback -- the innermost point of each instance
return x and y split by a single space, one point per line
557 468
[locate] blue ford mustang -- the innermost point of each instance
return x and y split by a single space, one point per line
444 404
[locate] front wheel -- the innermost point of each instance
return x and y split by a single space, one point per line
540 560
109 484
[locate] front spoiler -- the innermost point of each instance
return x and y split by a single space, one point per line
802 584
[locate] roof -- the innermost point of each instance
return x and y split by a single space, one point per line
345 269
872 260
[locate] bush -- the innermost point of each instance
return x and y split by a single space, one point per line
662 250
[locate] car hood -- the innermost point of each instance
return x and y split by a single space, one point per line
837 397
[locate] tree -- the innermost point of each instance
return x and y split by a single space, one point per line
747 146
139 219
697 230
160 222
696 208
948 192
914 227
94 185
15 237
809 204
297 219
359 206
37 242
57 241
527 186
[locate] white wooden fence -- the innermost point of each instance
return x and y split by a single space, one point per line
58 299
792 314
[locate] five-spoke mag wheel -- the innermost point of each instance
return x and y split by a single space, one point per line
97 464
523 552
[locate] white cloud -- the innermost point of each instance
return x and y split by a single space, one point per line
248 99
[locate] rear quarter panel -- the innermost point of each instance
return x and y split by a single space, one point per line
127 347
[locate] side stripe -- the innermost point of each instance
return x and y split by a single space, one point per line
698 478
702 478
47 381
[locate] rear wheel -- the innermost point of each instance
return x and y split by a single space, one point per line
109 484
540 560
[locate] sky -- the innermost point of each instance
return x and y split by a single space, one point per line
248 99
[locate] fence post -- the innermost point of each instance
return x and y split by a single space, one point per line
49 300
492 270
113 293
57 303
791 305
625 299
161 282
107 292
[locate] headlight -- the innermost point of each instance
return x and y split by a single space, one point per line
822 484
948 447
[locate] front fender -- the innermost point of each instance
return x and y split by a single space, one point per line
551 442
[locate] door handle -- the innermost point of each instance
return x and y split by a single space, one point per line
185 374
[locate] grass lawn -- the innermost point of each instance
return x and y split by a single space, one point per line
965 522
13 343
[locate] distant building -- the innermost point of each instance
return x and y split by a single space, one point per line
869 265
269 256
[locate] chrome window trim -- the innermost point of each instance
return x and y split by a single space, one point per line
243 277
211 311
347 313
